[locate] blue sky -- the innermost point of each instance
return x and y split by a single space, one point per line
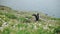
51 7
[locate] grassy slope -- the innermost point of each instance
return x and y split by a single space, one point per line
20 22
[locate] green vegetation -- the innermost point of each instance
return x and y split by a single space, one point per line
20 22
10 16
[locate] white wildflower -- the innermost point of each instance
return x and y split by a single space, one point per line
1 28
14 26
0 18
52 30
40 24
45 27
35 27
20 28
50 25
35 23
29 25
4 24
26 18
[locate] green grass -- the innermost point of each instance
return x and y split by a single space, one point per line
10 16
24 23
